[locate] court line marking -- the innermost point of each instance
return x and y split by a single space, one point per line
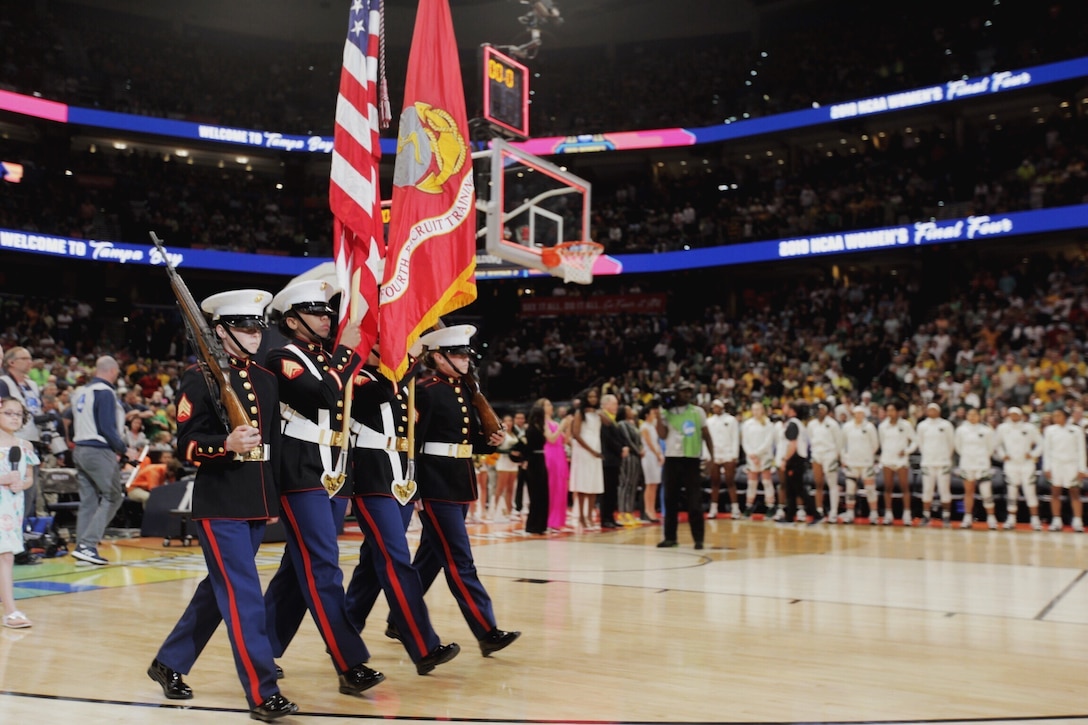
543 721
1060 595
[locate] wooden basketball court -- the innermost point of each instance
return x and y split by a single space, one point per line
769 624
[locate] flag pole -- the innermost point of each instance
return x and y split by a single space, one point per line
411 476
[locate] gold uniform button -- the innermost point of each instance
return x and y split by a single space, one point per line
400 428
460 399
220 449
339 404
253 409
251 396
325 368
457 390
339 416
464 409
464 430
243 374
254 423
247 386
321 358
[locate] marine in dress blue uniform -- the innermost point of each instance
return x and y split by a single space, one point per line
234 495
311 380
449 431
383 508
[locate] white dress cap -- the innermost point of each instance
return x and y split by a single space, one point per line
237 305
455 337
311 296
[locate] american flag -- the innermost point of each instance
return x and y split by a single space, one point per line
354 194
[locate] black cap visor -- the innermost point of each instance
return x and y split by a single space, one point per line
243 322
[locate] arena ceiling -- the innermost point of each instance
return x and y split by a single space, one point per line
585 22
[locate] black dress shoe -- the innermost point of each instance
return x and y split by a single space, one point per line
172 685
25 558
440 654
273 708
497 639
359 679
666 544
392 632
698 546
610 525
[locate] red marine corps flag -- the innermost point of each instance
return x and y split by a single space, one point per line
354 195
430 263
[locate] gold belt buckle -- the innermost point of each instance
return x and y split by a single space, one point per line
400 445
335 438
256 455
464 450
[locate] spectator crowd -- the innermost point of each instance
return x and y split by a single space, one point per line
823 53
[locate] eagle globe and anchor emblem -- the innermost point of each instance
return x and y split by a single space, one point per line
437 148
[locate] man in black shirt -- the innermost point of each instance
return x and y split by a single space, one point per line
796 462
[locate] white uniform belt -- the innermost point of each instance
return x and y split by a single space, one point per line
369 438
448 450
304 429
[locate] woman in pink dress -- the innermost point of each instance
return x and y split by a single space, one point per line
555 460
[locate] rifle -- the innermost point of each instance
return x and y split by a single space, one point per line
489 420
213 361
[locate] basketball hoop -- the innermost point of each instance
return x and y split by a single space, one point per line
575 258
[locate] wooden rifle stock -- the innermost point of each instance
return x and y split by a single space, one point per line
489 420
213 358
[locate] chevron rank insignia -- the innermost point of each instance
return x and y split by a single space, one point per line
291 369
185 409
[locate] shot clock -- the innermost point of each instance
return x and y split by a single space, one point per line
506 93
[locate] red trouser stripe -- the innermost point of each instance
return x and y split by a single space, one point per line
311 585
394 581
451 568
235 619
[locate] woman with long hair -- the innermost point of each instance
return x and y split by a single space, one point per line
630 466
555 459
653 459
586 473
507 473
536 469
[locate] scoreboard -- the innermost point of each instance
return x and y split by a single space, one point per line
506 93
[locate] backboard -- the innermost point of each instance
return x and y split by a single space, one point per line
530 205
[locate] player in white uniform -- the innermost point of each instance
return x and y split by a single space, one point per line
1064 466
936 443
897 441
860 444
975 443
1019 445
725 432
757 440
825 445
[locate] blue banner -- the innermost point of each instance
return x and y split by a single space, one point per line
120 253
969 229
975 228
954 90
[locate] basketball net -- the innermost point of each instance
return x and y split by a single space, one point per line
576 260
